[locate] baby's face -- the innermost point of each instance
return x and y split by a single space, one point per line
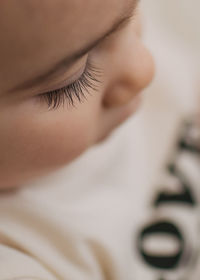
52 54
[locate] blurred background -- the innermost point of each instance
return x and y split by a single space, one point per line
180 20
171 32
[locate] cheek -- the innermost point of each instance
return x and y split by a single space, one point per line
34 144
55 144
54 141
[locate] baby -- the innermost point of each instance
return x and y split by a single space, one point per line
71 72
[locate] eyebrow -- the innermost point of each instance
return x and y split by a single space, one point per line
72 58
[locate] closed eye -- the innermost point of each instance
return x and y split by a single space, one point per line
75 91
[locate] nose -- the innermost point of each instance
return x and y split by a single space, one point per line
133 69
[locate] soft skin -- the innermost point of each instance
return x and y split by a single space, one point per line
34 36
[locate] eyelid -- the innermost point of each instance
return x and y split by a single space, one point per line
66 82
74 91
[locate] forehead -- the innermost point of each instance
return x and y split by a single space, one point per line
32 30
47 19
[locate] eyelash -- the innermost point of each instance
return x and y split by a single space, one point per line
76 90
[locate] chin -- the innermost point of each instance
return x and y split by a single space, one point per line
103 138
